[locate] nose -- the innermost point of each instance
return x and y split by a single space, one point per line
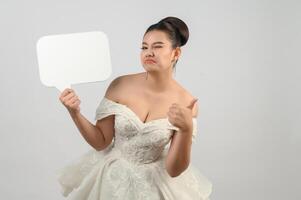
149 53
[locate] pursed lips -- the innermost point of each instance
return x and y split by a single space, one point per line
150 60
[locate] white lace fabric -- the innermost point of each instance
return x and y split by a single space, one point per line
132 167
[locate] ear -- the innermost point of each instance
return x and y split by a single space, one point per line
177 53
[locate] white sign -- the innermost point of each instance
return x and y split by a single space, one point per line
67 59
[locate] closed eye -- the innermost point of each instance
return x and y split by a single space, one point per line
146 47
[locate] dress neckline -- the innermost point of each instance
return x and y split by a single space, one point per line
134 114
137 117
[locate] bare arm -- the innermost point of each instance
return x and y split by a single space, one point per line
178 157
100 135
90 132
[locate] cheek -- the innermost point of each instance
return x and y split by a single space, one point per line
142 57
166 55
165 58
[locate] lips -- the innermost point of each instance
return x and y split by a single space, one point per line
150 60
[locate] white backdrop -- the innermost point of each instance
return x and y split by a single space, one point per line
241 61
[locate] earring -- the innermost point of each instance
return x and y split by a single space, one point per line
175 70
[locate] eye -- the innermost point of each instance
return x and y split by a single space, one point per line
143 48
157 46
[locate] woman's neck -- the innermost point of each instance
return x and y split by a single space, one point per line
158 81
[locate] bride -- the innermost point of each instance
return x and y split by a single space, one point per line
146 123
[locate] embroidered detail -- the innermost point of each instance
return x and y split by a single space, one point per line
133 166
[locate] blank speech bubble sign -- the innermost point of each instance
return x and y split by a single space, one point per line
74 58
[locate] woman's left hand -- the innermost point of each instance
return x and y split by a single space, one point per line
180 116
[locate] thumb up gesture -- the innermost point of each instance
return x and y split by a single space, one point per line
181 117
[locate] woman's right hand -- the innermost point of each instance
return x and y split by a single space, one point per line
70 100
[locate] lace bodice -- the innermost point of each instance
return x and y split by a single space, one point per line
132 167
139 142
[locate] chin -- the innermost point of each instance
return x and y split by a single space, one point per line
151 69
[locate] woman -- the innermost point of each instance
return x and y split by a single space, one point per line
142 139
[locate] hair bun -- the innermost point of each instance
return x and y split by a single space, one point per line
180 28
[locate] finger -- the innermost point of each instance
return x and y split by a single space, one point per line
190 106
69 96
173 110
174 106
65 92
64 95
172 114
76 103
170 117
168 114
73 99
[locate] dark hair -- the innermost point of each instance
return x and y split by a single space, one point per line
176 30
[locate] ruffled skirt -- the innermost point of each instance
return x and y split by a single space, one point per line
106 175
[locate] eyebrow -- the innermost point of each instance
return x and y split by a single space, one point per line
153 43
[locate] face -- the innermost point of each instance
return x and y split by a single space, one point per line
156 51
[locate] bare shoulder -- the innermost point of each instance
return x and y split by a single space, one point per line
114 88
120 86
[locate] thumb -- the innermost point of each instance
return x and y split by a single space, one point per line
192 103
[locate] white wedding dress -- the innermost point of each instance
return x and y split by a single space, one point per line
132 167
